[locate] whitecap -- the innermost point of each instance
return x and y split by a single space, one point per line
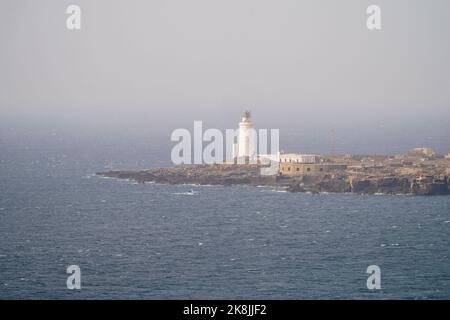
274 190
185 193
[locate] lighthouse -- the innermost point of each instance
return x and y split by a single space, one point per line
246 138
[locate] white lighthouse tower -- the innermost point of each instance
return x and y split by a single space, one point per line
247 138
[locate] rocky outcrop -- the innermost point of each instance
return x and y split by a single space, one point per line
324 184
430 188
249 175
197 174
362 186
393 185
386 185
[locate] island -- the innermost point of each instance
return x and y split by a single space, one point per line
409 174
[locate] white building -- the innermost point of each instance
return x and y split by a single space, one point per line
246 147
292 158
299 158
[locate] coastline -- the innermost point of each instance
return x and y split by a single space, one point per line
331 182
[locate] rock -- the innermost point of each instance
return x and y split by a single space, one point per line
363 186
249 175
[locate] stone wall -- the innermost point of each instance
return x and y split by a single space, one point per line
298 169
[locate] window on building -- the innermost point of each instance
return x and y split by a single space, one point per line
321 169
308 169
298 169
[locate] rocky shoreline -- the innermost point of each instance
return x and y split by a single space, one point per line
333 182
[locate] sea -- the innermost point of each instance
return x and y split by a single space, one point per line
156 241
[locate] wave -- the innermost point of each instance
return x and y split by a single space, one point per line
275 190
187 193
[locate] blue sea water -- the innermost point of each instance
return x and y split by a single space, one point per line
158 241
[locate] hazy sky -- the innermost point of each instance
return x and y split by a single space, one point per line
306 67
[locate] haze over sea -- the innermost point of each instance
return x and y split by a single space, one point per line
159 241
108 96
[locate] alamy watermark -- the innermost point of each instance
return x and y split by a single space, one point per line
237 146
73 22
374 280
374 20
74 280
